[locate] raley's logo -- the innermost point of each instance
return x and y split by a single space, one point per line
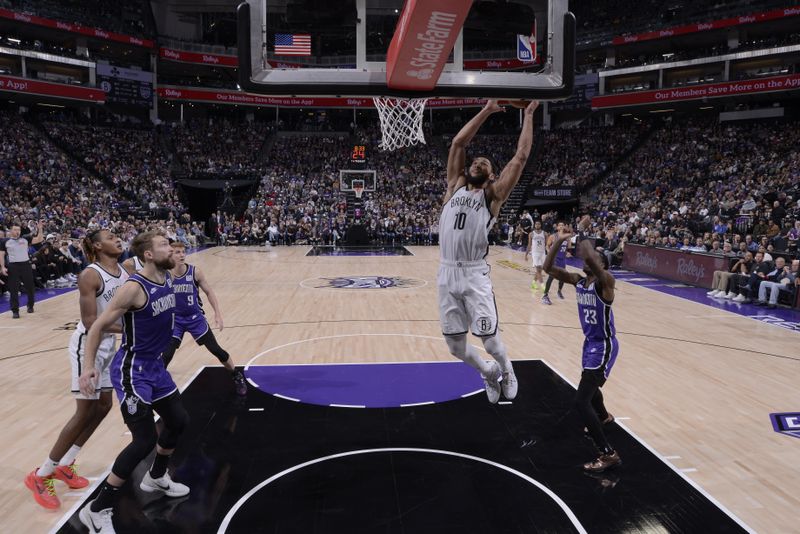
644 259
786 423
689 269
706 26
171 54
210 59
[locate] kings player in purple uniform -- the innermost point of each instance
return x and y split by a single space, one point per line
188 280
146 305
561 262
595 294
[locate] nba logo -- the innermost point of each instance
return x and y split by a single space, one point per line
786 423
526 47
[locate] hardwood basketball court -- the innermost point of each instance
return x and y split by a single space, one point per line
695 384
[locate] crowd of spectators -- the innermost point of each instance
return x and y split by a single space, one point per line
220 147
124 17
129 159
704 187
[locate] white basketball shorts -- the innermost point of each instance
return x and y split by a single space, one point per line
466 299
105 353
538 259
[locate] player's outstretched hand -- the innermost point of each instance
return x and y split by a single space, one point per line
493 106
565 233
585 223
87 381
532 107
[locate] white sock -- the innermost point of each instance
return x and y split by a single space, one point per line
497 350
72 453
47 468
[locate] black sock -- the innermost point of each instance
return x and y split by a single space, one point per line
159 465
106 497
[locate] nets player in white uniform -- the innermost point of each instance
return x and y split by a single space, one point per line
96 285
537 251
466 300
133 265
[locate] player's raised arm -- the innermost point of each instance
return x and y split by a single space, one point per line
592 259
501 189
202 283
456 160
549 262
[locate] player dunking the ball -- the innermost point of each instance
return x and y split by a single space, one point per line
146 304
466 300
96 285
188 280
595 295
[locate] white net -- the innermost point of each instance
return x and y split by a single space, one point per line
401 121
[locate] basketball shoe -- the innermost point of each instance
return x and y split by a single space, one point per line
97 522
44 490
69 475
546 300
164 484
239 383
492 383
607 460
560 294
509 385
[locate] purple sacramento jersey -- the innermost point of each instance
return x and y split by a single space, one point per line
137 371
189 315
600 348
561 257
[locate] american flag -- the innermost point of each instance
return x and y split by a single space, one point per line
292 44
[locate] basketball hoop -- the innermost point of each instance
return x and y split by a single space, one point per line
401 121
358 190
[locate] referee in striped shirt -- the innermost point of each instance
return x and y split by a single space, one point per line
19 264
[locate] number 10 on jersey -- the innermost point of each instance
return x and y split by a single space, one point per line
460 221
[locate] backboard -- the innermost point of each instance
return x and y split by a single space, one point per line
342 48
348 176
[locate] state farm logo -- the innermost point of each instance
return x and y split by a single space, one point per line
690 270
22 17
747 18
429 46
707 26
171 54
422 74
173 93
643 259
210 59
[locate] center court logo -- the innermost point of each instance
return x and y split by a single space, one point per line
364 282
786 423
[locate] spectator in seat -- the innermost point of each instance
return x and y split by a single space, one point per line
781 277
760 229
721 280
758 274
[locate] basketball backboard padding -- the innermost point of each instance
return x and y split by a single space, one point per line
554 82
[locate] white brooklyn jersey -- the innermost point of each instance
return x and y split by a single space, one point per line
537 242
107 289
464 226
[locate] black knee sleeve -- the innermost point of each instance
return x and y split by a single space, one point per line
175 419
210 342
143 432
